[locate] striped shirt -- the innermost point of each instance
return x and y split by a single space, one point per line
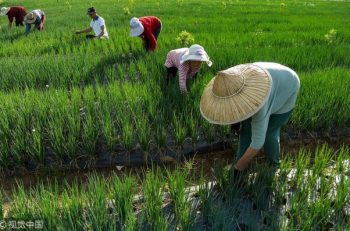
173 60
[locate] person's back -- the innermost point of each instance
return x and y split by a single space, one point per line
174 57
284 89
150 22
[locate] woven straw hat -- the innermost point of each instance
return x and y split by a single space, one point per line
4 10
235 94
30 18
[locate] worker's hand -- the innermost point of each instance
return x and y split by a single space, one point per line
41 26
184 93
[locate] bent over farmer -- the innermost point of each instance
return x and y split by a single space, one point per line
36 17
261 96
97 25
148 29
14 12
186 61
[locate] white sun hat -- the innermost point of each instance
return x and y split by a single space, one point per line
136 27
196 53
4 10
235 94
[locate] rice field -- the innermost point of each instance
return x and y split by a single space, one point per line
71 103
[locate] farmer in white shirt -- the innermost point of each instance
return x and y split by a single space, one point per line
97 25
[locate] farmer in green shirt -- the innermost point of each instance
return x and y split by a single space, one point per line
261 96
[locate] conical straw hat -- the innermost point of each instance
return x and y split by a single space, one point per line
235 94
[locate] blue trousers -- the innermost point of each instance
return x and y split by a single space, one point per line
36 23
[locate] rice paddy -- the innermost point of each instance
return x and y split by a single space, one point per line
69 103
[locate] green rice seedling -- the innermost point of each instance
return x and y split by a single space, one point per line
280 184
97 217
152 189
323 156
109 131
1 206
208 130
89 134
192 124
22 206
18 134
221 175
185 38
207 201
302 163
126 11
182 206
179 2
179 129
127 134
73 125
73 201
143 131
4 142
46 204
56 133
160 135
35 148
121 190
331 36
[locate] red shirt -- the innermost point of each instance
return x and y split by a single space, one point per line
17 12
150 23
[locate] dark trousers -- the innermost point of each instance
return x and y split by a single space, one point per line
172 71
19 23
272 140
90 36
155 33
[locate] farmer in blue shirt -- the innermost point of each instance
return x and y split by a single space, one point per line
261 96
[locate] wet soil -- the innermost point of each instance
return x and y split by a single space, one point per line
200 163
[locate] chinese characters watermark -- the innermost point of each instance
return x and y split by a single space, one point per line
21 224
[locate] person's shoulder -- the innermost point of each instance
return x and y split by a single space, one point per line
100 19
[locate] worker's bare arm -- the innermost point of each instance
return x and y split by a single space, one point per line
87 30
243 163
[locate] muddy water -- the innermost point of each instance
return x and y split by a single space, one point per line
203 163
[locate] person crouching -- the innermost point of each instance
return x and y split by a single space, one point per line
148 29
14 12
186 61
36 17
97 25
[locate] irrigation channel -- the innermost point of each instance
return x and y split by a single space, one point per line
203 160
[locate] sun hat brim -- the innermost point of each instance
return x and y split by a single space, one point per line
137 31
202 58
241 106
4 12
30 21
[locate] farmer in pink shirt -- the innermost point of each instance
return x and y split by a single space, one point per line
187 61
